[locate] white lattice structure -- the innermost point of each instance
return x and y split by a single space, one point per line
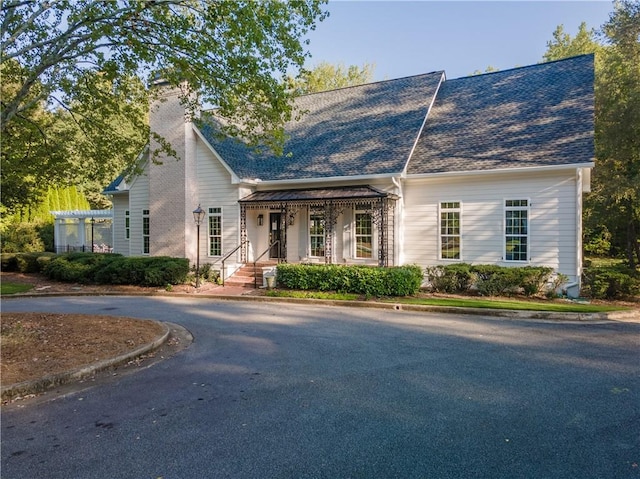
83 230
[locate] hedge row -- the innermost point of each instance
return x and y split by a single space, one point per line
491 280
100 268
610 282
25 262
117 269
366 280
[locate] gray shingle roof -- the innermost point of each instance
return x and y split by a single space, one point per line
540 115
364 130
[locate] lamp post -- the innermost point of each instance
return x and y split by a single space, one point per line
198 217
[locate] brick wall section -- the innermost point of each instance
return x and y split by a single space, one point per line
171 192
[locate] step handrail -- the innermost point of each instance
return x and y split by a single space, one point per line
226 257
255 278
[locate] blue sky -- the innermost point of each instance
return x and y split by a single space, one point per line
405 38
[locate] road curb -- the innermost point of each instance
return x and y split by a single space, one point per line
40 385
625 316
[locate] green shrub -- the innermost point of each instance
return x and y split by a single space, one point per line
532 279
9 262
25 262
143 271
77 267
22 238
494 280
366 280
453 278
610 282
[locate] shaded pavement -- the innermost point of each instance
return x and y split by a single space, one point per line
287 390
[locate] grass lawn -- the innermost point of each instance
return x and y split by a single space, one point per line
13 288
483 303
509 304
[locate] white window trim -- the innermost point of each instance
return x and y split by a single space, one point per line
374 237
324 236
209 235
440 210
146 215
504 228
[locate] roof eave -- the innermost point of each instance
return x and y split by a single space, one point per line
527 169
336 179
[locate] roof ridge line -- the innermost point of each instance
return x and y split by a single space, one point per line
370 83
497 72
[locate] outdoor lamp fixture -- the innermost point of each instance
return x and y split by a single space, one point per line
260 219
198 217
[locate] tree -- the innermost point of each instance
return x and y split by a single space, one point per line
87 60
618 131
614 203
564 46
326 76
489 69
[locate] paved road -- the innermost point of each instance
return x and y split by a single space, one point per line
293 391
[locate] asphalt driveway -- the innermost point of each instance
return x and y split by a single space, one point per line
294 391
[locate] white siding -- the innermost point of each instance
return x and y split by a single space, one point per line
138 201
120 206
216 191
552 223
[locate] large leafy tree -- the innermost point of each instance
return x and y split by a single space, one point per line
87 61
613 207
327 76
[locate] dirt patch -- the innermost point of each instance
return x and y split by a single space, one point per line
35 345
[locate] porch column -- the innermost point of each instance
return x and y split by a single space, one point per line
243 233
82 234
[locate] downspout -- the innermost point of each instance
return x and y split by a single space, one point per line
398 235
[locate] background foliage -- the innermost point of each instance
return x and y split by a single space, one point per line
612 209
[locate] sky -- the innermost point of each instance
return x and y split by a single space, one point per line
404 38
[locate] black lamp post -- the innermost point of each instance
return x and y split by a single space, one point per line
198 217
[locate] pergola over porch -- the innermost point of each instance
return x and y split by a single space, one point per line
330 203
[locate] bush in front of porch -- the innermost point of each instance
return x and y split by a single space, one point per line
366 280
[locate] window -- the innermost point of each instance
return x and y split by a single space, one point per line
316 234
450 242
516 218
364 235
145 232
215 231
127 224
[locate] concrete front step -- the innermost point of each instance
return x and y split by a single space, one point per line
247 277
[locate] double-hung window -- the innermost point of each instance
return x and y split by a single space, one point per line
516 219
450 230
145 232
316 235
127 225
363 234
215 231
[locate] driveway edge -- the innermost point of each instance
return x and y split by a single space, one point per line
632 315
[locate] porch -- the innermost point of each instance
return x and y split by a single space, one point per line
327 225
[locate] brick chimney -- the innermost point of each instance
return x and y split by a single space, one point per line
173 191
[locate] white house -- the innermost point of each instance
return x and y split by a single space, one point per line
418 170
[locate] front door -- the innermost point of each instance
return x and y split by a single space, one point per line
275 234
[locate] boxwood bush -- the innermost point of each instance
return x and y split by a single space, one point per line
117 269
610 282
367 280
488 279
25 262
